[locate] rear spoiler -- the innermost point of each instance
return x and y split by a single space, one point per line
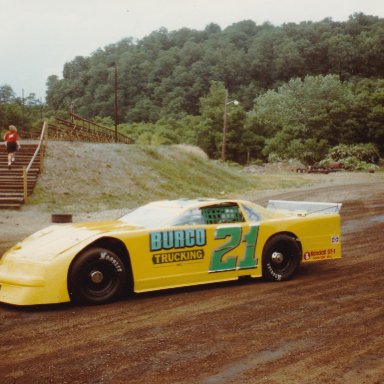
304 207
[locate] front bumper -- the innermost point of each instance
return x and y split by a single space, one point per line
32 283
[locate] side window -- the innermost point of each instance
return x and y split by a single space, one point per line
191 217
222 214
251 214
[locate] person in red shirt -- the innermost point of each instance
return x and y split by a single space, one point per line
12 143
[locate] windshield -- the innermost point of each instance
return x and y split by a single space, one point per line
150 216
251 213
184 212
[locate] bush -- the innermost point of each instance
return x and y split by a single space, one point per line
367 153
353 164
359 157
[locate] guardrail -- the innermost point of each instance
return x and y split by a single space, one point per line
43 143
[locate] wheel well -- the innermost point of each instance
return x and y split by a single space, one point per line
290 234
118 247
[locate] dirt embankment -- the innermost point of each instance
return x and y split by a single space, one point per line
324 326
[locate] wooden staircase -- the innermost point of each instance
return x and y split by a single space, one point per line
11 180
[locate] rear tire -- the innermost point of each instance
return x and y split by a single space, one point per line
96 276
281 258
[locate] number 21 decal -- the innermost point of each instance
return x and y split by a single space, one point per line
232 260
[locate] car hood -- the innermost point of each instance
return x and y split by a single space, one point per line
52 241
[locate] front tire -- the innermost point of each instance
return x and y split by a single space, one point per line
96 276
281 258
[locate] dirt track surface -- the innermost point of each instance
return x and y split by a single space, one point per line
324 326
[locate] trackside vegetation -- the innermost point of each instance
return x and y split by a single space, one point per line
114 176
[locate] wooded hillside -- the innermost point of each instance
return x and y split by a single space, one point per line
302 88
166 73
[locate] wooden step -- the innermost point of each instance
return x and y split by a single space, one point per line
11 200
19 189
10 206
5 176
11 195
11 180
18 170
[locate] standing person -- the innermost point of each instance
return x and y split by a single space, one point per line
12 143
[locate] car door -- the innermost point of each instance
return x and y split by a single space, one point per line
208 244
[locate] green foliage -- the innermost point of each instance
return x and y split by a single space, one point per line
368 112
300 120
25 113
367 153
304 118
358 157
166 73
211 127
354 164
308 151
165 131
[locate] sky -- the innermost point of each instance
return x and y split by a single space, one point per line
39 36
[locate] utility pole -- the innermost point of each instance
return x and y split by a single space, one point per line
224 145
116 106
223 148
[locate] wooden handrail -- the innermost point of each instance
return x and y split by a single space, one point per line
43 142
80 124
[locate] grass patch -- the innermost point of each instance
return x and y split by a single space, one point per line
91 177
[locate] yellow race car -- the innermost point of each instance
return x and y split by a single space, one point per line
168 244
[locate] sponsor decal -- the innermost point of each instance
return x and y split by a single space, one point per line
320 254
112 260
178 239
177 257
335 239
186 238
277 276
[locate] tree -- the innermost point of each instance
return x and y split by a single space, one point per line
368 112
342 55
301 113
6 94
25 113
210 129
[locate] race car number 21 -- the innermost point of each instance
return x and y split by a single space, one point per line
226 257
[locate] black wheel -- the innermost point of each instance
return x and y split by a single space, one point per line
281 258
96 276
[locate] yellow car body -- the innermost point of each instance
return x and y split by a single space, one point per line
168 244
